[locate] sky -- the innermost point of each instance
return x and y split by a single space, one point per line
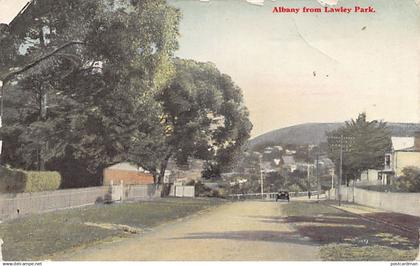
299 68
305 67
9 9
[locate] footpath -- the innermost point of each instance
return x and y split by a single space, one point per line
403 222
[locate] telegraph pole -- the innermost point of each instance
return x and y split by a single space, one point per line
344 144
317 175
307 175
1 116
261 180
341 170
309 183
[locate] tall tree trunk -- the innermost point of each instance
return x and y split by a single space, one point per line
163 167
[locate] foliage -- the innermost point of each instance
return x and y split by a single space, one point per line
97 84
12 180
347 252
15 181
201 190
409 181
203 116
42 181
295 188
371 140
82 109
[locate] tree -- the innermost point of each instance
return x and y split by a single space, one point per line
409 181
203 117
98 85
370 141
102 89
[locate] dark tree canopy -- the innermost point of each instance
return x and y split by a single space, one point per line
84 106
371 140
91 83
203 117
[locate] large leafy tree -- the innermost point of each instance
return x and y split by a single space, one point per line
87 75
203 116
368 142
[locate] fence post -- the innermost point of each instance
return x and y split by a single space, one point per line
122 190
1 249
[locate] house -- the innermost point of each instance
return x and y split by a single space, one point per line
267 167
288 160
279 148
128 173
325 165
405 152
371 177
289 163
290 152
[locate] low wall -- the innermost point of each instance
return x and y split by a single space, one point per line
141 192
15 205
182 191
408 203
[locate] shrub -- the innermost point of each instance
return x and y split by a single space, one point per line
12 180
16 181
202 190
409 181
42 181
294 188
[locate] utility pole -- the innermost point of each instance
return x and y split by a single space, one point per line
309 183
261 180
341 170
317 175
344 143
1 117
307 174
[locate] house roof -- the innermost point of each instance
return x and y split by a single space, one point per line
126 167
266 166
288 160
325 162
402 143
413 148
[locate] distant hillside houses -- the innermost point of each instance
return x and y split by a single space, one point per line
315 134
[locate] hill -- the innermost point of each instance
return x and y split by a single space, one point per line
314 133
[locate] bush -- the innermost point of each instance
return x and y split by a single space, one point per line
42 181
203 191
295 188
12 180
409 182
17 181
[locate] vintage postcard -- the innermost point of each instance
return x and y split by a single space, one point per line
209 130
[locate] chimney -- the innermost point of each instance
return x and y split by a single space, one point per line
417 141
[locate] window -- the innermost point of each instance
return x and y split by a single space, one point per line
388 161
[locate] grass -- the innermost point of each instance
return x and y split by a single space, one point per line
344 236
346 252
37 236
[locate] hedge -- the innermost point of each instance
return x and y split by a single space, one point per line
16 181
42 181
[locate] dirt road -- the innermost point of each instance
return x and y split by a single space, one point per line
234 231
